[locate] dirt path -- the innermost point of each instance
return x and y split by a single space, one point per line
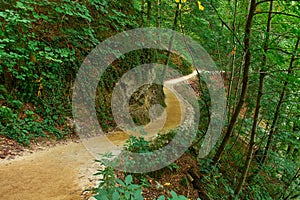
62 172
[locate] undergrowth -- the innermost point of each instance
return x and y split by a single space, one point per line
132 184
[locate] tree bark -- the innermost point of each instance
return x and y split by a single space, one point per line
244 82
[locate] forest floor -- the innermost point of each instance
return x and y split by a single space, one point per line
61 170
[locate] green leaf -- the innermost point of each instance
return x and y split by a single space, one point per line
128 179
121 182
47 49
173 193
133 186
138 195
127 194
115 195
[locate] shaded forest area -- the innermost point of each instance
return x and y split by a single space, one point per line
256 44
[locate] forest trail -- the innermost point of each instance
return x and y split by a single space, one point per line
63 171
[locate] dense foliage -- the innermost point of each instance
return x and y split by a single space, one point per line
43 43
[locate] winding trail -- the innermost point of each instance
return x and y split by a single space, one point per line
63 171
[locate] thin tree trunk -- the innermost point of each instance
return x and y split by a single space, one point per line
172 37
244 83
296 176
262 75
143 12
232 64
252 138
239 131
171 41
237 86
257 107
149 12
276 115
158 18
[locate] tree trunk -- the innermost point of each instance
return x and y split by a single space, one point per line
252 139
172 37
143 12
264 61
149 12
230 82
158 18
285 189
276 115
257 107
171 41
244 82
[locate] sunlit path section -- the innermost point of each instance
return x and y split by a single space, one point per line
61 172
171 118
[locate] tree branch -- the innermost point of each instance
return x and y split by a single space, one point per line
278 13
225 24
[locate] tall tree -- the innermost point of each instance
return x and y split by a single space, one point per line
258 105
247 63
278 107
149 9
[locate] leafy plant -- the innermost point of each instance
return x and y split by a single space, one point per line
21 130
173 166
111 187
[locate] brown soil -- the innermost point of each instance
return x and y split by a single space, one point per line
9 148
48 174
175 180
